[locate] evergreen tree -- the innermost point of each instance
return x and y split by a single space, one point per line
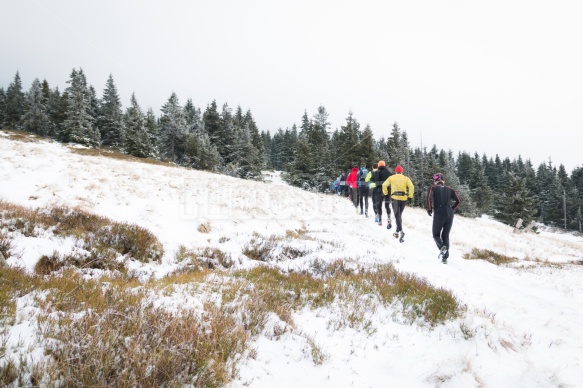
267 156
110 119
60 114
481 193
550 195
515 202
299 172
137 140
227 138
193 117
172 130
35 119
212 124
14 104
247 159
256 139
398 148
318 139
348 142
367 147
2 107
78 126
152 130
199 152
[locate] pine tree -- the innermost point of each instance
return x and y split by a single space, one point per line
398 148
137 140
152 130
193 117
515 202
35 119
267 156
212 124
172 130
318 139
78 126
348 142
2 106
199 152
247 159
226 143
256 139
110 118
299 171
367 147
14 104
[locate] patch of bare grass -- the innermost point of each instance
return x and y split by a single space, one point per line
102 237
204 258
105 332
489 256
273 248
113 154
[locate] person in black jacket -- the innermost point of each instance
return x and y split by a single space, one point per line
442 201
379 177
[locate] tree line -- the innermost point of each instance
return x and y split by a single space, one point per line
311 155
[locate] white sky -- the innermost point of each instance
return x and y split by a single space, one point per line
497 77
524 319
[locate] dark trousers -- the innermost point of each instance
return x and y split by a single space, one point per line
442 223
363 197
379 205
354 194
373 199
398 208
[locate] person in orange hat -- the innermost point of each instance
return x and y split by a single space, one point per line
378 178
401 189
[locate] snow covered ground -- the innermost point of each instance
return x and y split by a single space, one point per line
523 323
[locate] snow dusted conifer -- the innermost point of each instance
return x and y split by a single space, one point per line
247 157
35 119
226 144
153 131
2 105
14 103
78 126
515 202
137 140
110 118
172 130
199 152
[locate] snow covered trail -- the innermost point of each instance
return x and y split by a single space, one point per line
522 324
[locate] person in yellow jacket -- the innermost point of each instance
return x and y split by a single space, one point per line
401 189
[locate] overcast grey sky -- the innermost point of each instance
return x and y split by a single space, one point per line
497 77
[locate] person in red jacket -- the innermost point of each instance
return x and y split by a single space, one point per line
353 185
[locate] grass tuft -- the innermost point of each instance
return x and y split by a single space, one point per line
489 256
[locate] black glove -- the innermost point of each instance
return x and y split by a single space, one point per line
429 212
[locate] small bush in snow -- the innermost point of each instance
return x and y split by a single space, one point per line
489 256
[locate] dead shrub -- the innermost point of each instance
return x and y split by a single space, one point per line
205 227
489 256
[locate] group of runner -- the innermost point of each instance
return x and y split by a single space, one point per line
393 191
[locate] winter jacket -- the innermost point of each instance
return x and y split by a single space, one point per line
401 187
442 196
380 176
351 180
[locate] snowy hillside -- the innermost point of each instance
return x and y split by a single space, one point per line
521 326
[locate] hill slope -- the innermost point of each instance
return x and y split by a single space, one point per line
521 327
